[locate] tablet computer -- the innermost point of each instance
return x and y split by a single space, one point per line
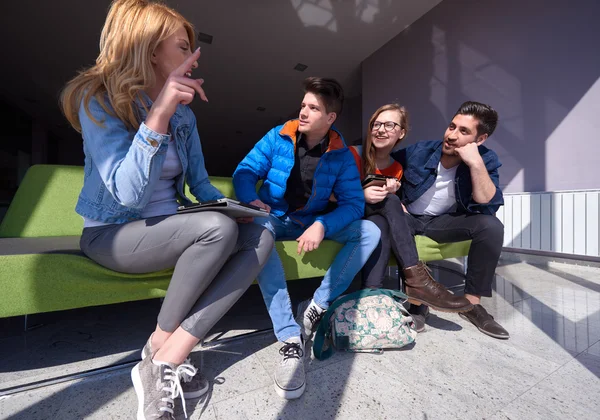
228 206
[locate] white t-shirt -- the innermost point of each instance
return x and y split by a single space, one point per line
439 198
164 197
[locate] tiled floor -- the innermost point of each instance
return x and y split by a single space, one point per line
548 369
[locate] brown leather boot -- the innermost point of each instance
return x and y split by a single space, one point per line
421 288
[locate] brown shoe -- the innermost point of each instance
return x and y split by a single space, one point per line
419 315
485 322
421 288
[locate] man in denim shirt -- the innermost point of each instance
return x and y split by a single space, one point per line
450 190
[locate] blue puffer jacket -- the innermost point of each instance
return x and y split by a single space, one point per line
272 160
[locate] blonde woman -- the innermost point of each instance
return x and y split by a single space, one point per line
141 144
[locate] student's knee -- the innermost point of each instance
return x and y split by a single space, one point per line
255 236
392 201
490 228
213 226
265 222
370 232
392 198
379 221
361 231
227 227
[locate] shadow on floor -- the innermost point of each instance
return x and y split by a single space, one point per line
573 336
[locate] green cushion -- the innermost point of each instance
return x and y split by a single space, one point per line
45 201
58 281
430 250
44 207
222 183
51 282
44 204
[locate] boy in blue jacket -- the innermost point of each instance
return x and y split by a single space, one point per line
312 189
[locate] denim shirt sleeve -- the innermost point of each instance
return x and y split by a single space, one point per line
253 167
197 177
128 162
349 195
497 200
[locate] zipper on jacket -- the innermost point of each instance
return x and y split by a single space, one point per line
314 188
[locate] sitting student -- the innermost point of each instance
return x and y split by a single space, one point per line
141 144
304 162
451 191
387 127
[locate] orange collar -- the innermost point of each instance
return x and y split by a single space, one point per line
290 129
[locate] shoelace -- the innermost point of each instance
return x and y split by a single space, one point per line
173 379
291 351
188 361
313 316
429 271
185 375
438 287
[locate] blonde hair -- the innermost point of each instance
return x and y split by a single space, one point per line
368 150
132 32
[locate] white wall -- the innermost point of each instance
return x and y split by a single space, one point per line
565 222
349 122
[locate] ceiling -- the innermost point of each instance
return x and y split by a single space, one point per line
249 64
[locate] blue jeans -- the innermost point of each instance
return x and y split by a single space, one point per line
360 238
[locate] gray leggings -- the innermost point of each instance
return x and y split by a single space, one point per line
215 261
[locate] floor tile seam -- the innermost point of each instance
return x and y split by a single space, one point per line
536 384
593 344
262 365
559 365
250 390
213 404
77 369
331 363
70 383
214 412
210 407
60 407
520 347
62 402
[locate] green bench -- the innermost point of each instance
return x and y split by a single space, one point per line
42 268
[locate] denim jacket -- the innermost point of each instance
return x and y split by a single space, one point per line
420 162
122 166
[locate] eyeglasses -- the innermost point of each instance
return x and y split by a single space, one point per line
388 125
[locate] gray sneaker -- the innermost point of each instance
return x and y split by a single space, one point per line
308 317
192 386
147 349
290 379
157 386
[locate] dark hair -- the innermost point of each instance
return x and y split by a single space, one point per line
328 90
487 116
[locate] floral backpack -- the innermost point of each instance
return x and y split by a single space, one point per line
369 320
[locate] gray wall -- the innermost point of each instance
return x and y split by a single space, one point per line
537 62
349 122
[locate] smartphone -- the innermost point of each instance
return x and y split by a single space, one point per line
374 180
